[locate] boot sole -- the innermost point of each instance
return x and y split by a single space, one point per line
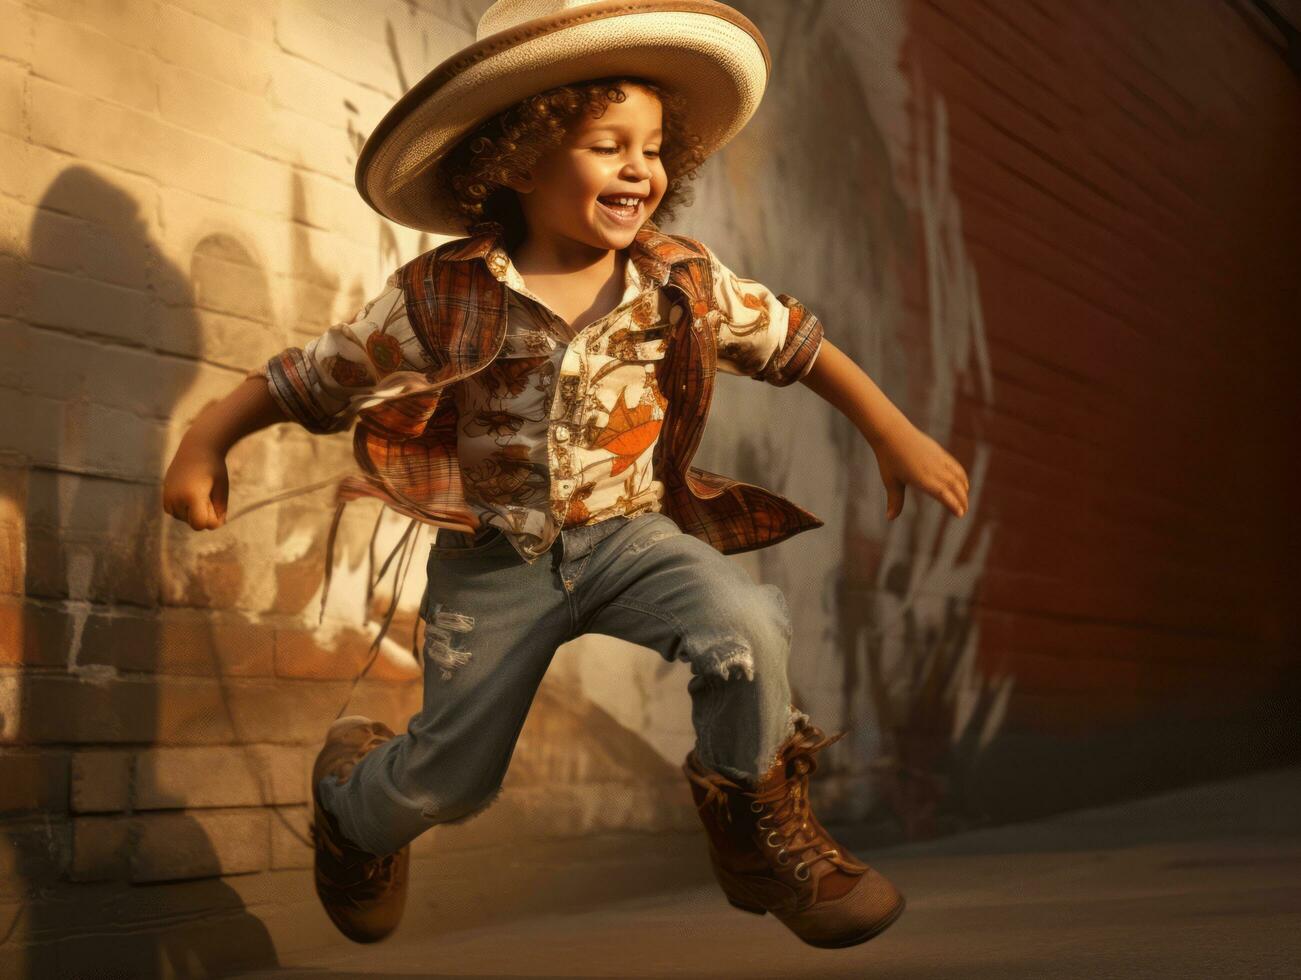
863 937
724 879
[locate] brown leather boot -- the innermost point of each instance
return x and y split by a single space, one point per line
364 894
770 853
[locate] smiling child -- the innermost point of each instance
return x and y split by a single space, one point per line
536 389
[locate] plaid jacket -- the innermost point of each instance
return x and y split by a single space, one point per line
405 440
405 437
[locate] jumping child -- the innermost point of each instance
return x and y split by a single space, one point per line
537 390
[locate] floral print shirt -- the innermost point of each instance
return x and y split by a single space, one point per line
560 429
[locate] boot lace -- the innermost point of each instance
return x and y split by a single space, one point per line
376 873
783 807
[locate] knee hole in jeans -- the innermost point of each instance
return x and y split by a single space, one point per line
765 625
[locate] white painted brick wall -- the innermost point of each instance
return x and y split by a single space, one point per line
212 50
101 780
13 84
176 205
168 846
246 18
219 776
16 38
81 58
131 24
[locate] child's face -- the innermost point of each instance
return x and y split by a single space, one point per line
616 154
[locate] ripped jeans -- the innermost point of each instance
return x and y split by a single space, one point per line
493 623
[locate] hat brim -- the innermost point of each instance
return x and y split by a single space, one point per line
707 51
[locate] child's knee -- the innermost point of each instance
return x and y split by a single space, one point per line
750 638
460 804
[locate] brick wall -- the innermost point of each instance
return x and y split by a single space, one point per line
176 205
1063 241
1127 181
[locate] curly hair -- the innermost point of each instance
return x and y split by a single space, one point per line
474 172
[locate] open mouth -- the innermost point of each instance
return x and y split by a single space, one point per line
624 213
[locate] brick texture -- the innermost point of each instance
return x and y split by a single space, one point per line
34 781
291 841
16 41
101 848
13 557
169 846
249 776
101 780
177 204
1117 263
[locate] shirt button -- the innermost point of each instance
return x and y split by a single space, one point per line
562 433
564 486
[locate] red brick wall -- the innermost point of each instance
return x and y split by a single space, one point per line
1128 175
181 206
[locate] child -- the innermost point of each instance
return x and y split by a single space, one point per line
537 390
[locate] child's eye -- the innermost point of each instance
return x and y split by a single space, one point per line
612 149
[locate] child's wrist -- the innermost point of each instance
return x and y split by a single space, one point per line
200 440
883 433
247 409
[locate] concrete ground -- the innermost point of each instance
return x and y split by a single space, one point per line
1203 882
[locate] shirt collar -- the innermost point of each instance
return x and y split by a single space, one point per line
498 259
652 252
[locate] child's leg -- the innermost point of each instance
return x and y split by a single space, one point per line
493 624
654 585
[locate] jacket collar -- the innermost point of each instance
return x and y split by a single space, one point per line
652 252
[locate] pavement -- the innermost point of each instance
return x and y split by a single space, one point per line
1201 882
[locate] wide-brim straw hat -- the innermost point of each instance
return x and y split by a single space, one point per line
705 50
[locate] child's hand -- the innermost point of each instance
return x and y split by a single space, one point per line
195 487
907 456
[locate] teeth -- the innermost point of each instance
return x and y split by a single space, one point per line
623 201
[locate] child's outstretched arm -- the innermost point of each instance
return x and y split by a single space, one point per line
774 338
320 387
196 486
905 455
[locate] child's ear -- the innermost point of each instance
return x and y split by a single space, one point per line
520 184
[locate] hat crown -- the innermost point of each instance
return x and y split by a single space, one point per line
706 51
505 14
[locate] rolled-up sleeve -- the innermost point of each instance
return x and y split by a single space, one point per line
766 336
321 386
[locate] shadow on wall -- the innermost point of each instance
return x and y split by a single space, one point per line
136 655
115 344
901 666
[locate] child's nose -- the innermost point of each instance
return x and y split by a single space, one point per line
636 167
